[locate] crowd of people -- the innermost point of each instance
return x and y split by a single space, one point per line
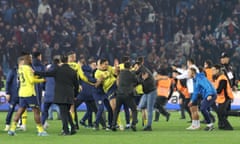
156 35
165 32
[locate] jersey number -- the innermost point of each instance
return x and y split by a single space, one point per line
21 77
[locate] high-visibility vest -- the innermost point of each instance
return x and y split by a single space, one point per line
183 90
209 74
163 87
221 97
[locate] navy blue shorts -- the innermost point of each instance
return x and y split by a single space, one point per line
112 92
28 102
14 101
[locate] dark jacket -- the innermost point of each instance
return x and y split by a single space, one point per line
49 86
149 84
38 66
66 84
86 93
12 84
127 83
229 73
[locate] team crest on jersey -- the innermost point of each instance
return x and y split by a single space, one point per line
99 102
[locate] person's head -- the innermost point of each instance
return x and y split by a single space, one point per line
127 65
125 59
190 62
27 60
37 55
224 59
140 60
71 56
216 69
20 60
56 59
208 64
136 66
103 64
163 71
92 63
64 58
192 72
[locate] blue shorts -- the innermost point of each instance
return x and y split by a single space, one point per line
112 92
28 102
14 101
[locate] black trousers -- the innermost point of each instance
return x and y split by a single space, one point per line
66 117
222 113
160 104
129 101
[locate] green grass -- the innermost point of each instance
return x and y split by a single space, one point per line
172 132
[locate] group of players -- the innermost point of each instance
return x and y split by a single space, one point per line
99 85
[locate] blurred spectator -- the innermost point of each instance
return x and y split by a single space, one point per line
176 29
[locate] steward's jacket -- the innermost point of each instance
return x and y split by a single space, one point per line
223 88
164 87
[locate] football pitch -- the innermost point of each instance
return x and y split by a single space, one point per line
172 132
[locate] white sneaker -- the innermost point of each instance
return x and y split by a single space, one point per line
22 128
121 127
7 127
45 126
192 127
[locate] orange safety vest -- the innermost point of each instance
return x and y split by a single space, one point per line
183 89
209 74
163 87
221 97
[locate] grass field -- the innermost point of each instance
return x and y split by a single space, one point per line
172 132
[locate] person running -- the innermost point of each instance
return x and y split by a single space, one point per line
164 91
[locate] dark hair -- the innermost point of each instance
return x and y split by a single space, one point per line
56 60
217 66
193 70
36 54
24 53
64 59
136 63
70 53
209 63
103 60
191 60
91 60
125 59
140 59
127 65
